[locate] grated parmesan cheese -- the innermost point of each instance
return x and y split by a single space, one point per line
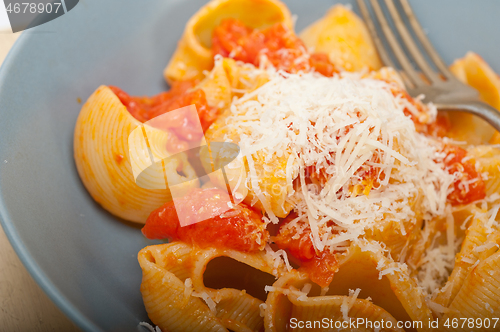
484 247
188 292
301 296
208 300
353 159
262 309
468 260
150 327
278 256
348 302
343 126
437 308
492 224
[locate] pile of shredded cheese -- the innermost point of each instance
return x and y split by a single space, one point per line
343 126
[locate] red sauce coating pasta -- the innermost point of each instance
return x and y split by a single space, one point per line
241 228
469 185
280 45
320 266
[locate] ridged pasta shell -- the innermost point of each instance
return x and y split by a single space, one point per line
487 160
258 174
168 303
193 54
259 260
217 86
345 38
474 71
476 235
390 233
398 279
479 296
287 306
261 176
177 299
101 151
239 311
393 292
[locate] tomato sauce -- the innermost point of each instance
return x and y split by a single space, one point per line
469 185
241 228
438 128
278 43
320 266
181 94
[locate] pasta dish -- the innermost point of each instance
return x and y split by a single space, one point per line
297 185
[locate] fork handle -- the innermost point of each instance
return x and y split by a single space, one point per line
483 110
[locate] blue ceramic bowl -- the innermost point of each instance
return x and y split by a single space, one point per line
81 255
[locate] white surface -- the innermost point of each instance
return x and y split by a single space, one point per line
4 19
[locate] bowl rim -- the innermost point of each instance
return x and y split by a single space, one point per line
42 280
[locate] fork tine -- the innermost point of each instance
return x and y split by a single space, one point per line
384 56
419 32
386 59
396 48
410 44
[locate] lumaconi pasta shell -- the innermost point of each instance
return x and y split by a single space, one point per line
101 151
390 234
153 165
479 296
475 236
167 302
260 261
398 235
474 71
217 86
487 160
177 299
388 283
239 311
394 293
193 54
345 38
285 302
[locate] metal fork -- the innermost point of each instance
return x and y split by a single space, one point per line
440 87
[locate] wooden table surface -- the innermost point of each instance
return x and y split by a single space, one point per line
23 304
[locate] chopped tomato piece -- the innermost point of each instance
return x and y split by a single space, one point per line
147 108
240 228
321 64
320 266
438 128
420 116
301 248
469 186
278 43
